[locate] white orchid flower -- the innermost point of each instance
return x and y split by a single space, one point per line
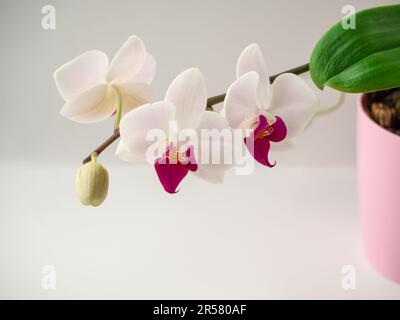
184 106
94 89
277 112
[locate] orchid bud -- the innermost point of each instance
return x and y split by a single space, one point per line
92 183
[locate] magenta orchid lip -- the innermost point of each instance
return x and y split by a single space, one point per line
258 143
173 167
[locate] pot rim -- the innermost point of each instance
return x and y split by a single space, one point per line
361 102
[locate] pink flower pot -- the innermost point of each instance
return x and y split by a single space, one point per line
378 158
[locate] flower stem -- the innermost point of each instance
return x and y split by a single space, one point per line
221 97
329 109
103 146
210 102
93 156
119 111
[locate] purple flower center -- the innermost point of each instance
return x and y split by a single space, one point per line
173 167
258 143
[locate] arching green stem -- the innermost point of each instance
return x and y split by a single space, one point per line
118 114
210 102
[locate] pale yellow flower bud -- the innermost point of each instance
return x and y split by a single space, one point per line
92 183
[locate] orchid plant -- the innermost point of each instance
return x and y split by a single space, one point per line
179 134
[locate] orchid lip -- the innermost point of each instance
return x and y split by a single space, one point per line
258 143
173 167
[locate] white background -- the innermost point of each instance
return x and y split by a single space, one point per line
285 232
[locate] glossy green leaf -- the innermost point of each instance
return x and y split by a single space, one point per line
363 59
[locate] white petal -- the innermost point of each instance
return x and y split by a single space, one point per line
251 59
128 61
135 126
241 102
133 95
210 173
294 101
81 73
125 154
147 71
189 95
214 146
96 104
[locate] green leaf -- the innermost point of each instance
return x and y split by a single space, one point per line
363 59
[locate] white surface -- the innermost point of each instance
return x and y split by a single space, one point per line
280 233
